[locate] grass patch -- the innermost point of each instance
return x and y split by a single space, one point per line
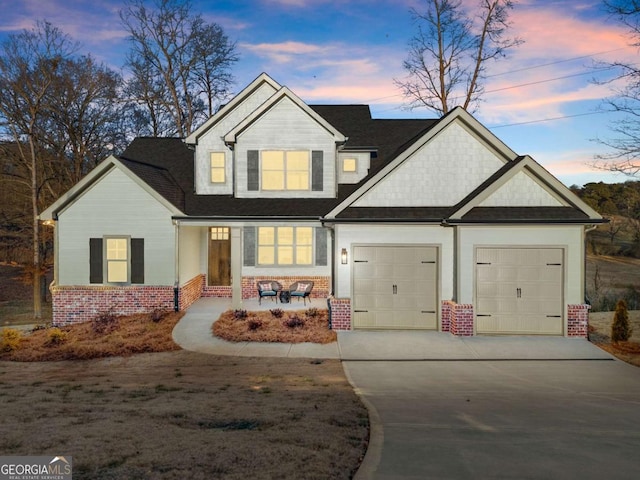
311 325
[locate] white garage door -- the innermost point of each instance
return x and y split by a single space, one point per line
395 287
519 291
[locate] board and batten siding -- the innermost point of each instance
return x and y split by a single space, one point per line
568 237
212 141
192 241
115 206
286 127
439 174
346 236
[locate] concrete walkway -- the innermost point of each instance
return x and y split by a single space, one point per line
193 332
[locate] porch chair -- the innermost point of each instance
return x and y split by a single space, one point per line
301 290
268 288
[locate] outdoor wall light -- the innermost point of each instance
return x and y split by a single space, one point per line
344 259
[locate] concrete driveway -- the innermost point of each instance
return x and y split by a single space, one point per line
479 419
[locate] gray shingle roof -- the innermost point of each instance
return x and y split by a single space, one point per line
167 165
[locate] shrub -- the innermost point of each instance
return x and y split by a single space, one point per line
10 339
620 328
158 314
105 322
254 324
293 322
277 312
56 336
312 312
240 314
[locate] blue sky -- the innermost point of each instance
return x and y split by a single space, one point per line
342 51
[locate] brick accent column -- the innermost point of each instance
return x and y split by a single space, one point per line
578 320
445 315
340 313
461 319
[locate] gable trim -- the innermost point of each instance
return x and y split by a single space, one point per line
93 177
458 114
262 79
538 174
231 137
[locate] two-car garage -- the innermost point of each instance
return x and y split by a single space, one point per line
518 290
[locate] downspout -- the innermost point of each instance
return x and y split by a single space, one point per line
333 268
176 284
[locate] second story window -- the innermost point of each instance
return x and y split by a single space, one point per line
217 167
285 170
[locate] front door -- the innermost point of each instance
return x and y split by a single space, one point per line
219 256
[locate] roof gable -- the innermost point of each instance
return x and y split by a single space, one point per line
264 82
162 179
522 183
275 99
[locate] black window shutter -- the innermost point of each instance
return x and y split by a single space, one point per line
249 247
321 246
137 260
95 260
253 170
316 170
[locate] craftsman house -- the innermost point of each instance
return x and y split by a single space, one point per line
400 224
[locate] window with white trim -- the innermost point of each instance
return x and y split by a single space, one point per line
349 165
217 163
117 259
285 170
285 245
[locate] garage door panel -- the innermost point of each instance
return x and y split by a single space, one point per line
401 287
519 290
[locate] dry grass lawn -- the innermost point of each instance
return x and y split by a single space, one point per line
181 414
311 325
171 415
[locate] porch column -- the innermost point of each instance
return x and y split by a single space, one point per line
236 267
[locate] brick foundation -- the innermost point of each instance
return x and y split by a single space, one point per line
77 304
219 291
340 313
578 320
190 292
321 285
445 315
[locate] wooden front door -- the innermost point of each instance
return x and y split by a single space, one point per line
219 256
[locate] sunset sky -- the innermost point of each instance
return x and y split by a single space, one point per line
541 100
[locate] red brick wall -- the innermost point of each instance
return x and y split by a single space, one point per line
218 291
190 292
340 313
445 315
578 320
77 304
461 319
321 285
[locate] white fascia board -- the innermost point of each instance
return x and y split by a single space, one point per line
235 101
457 114
284 92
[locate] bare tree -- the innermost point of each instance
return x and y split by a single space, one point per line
29 62
448 55
180 63
624 144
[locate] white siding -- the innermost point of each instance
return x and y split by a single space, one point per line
115 205
568 237
346 236
521 191
286 127
441 173
212 141
190 245
363 160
